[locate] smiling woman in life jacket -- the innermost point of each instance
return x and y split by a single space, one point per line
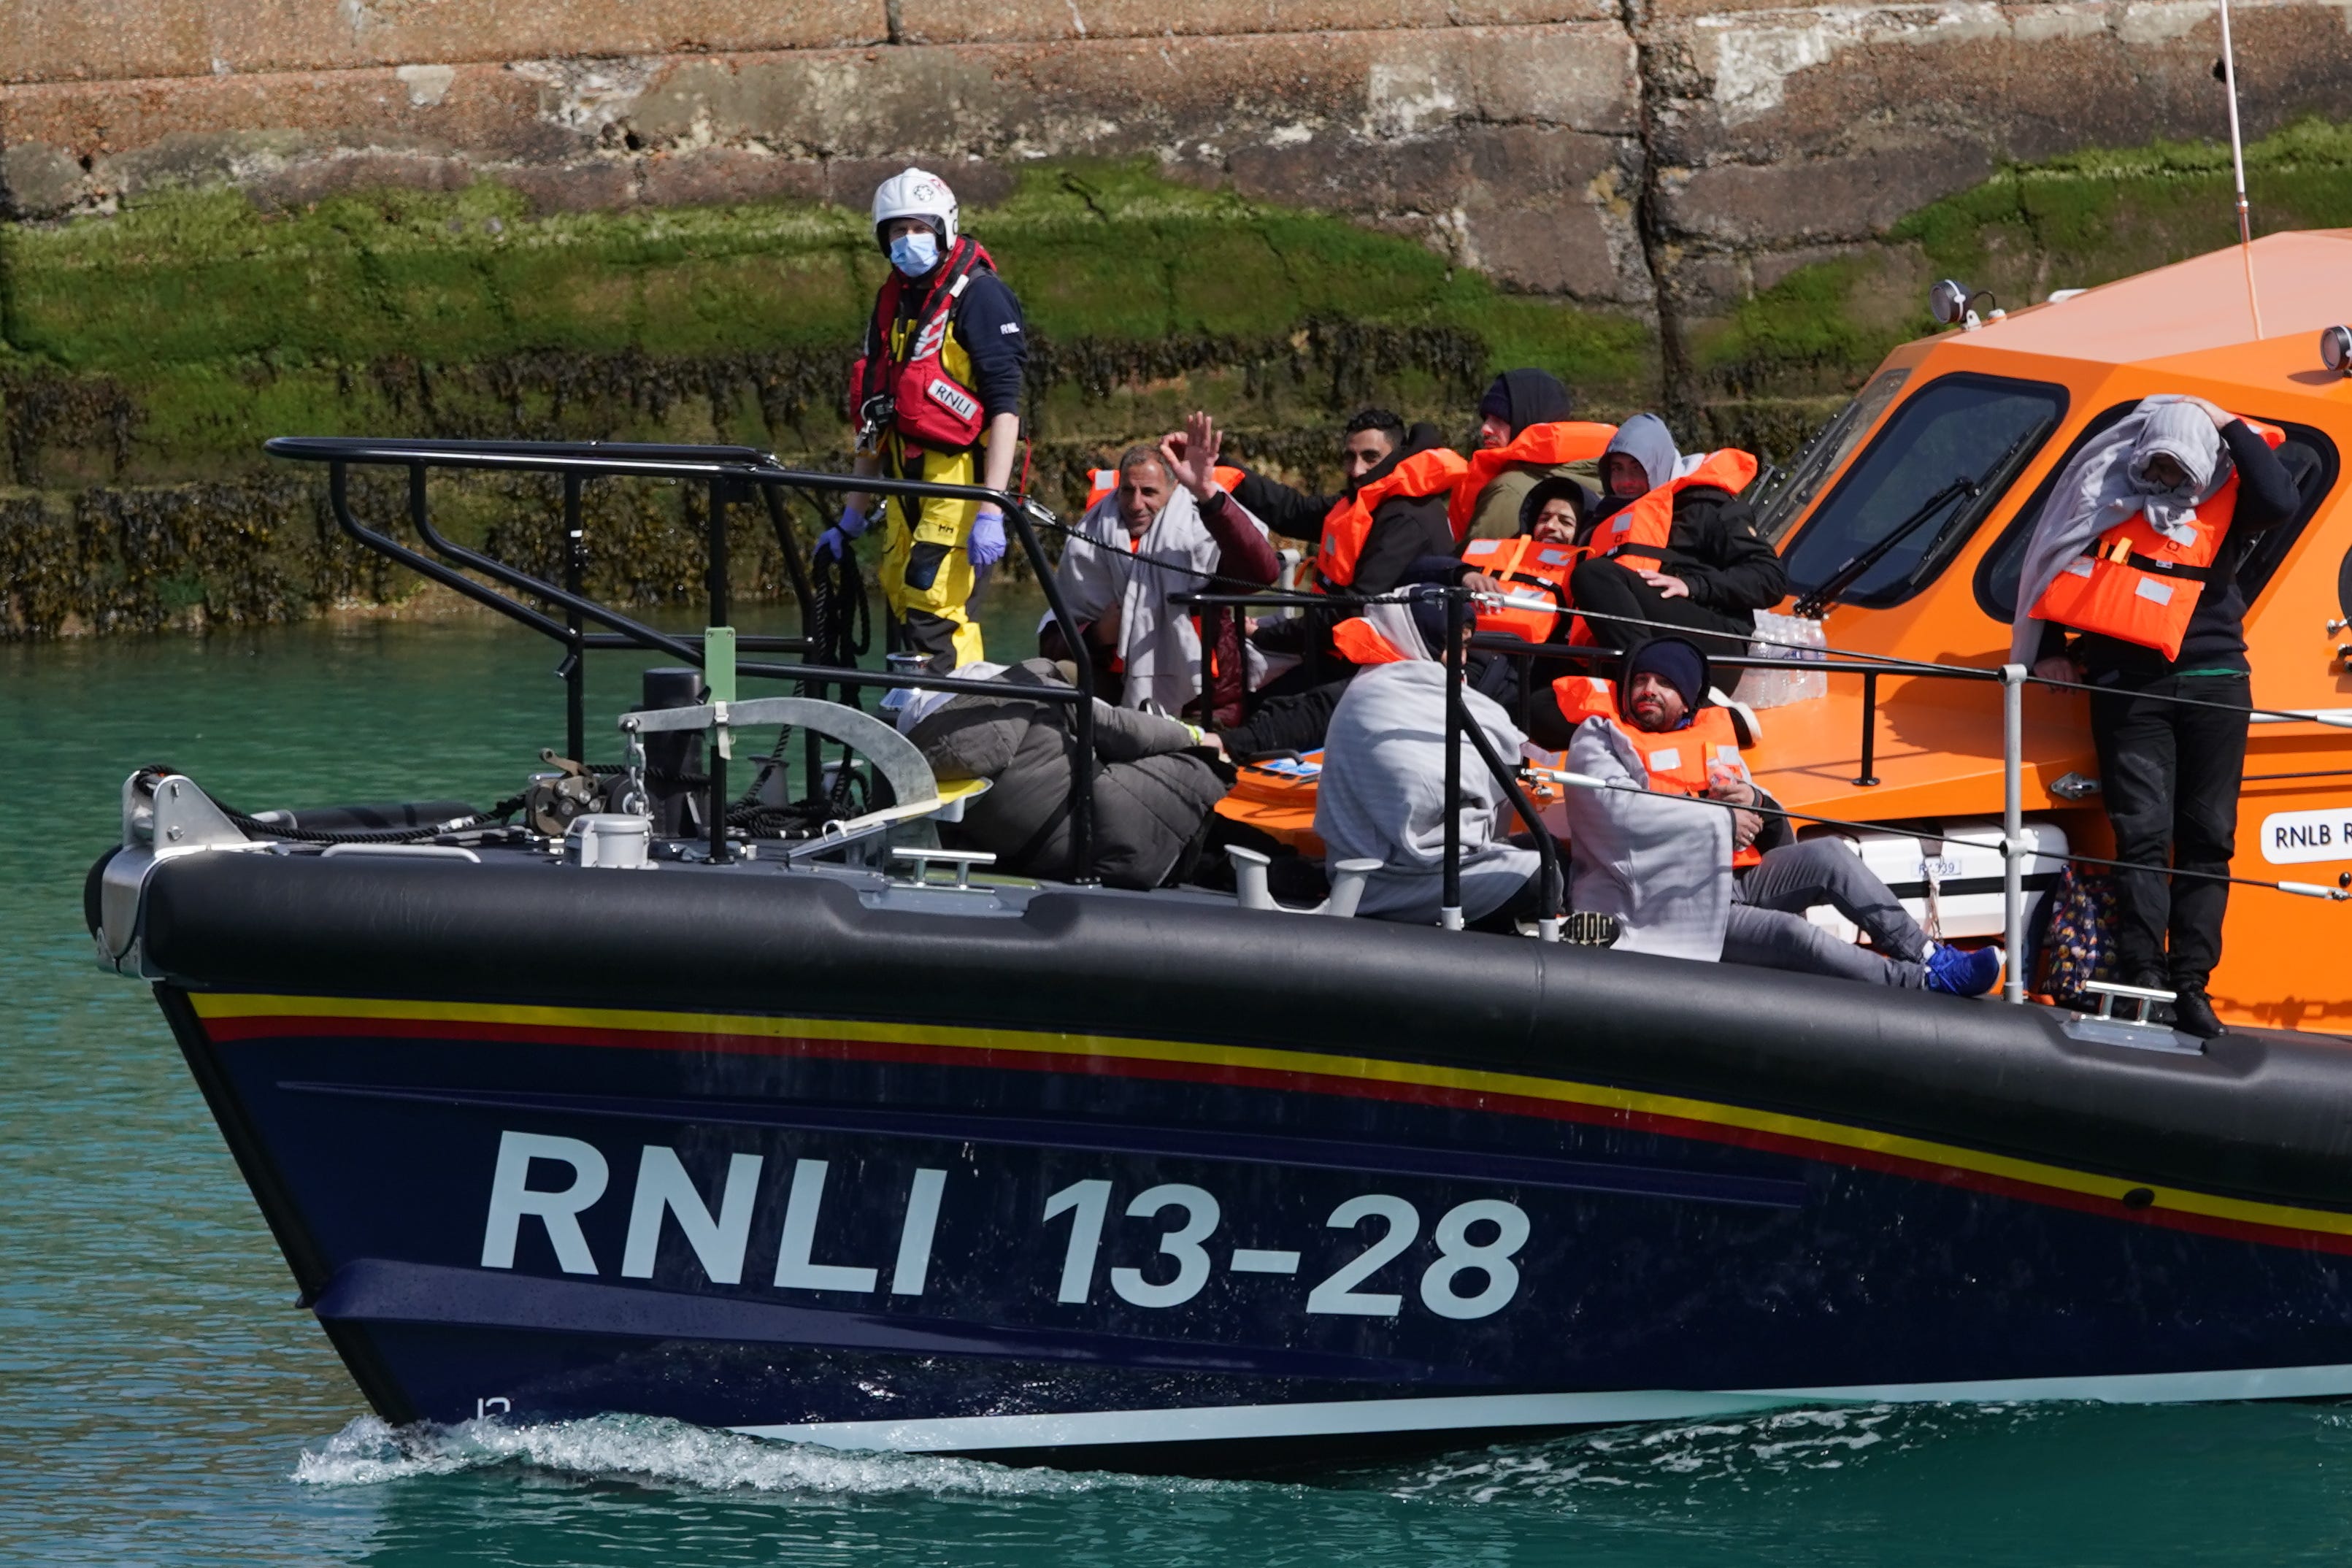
2136 551
936 394
1686 744
1557 511
1672 547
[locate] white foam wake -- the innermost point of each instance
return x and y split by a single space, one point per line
1733 1449
370 1452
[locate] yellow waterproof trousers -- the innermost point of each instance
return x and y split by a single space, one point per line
927 576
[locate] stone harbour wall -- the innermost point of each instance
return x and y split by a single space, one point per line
1662 155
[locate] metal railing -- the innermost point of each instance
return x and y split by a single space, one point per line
730 474
734 474
2012 678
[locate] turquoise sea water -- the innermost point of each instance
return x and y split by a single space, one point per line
162 1399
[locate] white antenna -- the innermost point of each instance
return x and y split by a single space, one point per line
2238 164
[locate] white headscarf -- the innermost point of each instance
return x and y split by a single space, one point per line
2106 484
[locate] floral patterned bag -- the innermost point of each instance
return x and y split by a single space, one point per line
2074 940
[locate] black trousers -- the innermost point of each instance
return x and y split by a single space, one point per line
2169 777
1608 589
1294 721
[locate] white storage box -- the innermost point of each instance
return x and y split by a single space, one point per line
1959 875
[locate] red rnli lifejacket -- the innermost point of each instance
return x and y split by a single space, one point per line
2138 586
1678 760
1643 527
1102 481
1530 567
1543 446
929 408
1350 523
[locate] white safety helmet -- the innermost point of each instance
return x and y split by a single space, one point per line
916 193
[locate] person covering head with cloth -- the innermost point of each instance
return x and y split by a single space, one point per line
2136 551
936 396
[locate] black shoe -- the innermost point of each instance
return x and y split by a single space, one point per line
2152 1012
2192 1013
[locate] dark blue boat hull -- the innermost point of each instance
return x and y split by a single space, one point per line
756 1253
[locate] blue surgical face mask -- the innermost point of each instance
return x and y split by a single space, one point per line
915 254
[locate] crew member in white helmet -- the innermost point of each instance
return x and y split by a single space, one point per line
935 395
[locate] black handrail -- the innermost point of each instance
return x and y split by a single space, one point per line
724 468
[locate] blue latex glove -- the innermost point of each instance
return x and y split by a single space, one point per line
835 540
987 536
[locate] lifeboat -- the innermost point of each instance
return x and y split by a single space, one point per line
801 1121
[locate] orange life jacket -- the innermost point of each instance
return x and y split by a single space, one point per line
1678 760
1643 527
1528 566
1102 481
2135 584
1359 641
1543 446
1277 798
1350 523
904 385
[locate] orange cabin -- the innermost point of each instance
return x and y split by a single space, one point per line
2014 399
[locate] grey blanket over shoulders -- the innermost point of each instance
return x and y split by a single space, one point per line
1381 793
1660 864
1152 792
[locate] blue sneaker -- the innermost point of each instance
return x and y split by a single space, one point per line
1964 971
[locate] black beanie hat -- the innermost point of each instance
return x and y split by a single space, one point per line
1525 397
1676 661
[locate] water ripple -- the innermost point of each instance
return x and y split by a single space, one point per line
370 1452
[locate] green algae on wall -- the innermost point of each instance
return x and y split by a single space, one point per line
147 355
223 323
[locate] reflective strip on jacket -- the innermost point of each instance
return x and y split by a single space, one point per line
1349 523
1678 760
1528 566
2137 585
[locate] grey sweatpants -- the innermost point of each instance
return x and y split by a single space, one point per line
1768 927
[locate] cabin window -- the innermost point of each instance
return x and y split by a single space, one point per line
2309 459
1980 429
1824 455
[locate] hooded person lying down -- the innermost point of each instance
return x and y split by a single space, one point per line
1154 785
1668 867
